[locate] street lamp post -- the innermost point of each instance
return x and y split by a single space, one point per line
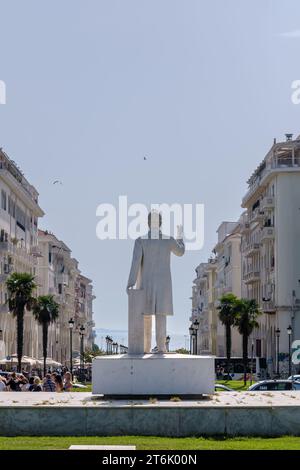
81 333
71 326
252 355
196 328
289 332
191 331
1 339
277 332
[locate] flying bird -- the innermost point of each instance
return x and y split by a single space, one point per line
145 158
57 182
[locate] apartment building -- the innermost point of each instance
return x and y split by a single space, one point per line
258 257
270 248
84 308
59 274
228 278
220 275
19 213
24 248
204 307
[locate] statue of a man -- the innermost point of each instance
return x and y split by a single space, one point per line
150 271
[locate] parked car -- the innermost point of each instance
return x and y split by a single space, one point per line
223 388
294 377
275 386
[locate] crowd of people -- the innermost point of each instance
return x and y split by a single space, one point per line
52 382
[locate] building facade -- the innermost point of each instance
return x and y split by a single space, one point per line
19 214
270 249
59 275
220 275
228 279
258 258
204 307
25 248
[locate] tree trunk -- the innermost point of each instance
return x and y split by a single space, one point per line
245 356
20 336
45 344
228 346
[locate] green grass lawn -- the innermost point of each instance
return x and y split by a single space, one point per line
153 443
87 389
235 384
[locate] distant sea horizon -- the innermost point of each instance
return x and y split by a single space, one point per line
177 340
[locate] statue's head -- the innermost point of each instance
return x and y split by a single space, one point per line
154 220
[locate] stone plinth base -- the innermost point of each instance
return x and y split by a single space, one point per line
153 374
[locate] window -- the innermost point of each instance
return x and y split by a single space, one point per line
21 218
3 200
284 386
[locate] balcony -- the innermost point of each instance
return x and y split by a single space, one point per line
4 246
63 279
227 289
35 251
257 215
268 202
4 308
267 233
61 299
19 253
276 164
251 249
268 307
251 276
245 227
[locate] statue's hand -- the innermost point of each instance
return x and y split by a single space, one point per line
179 232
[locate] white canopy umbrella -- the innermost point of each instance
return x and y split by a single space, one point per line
50 362
26 361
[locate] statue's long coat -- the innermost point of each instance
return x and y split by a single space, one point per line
150 271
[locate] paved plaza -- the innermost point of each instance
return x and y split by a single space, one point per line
221 399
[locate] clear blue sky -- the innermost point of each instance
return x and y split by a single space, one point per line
200 87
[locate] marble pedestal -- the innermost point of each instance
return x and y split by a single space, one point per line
153 374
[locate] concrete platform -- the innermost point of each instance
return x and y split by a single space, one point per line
153 374
82 414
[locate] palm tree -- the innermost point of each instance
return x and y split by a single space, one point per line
227 314
46 311
20 287
246 321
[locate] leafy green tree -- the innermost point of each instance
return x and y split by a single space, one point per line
227 314
91 353
45 311
96 349
20 287
247 312
182 351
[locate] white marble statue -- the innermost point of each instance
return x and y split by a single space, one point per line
150 272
